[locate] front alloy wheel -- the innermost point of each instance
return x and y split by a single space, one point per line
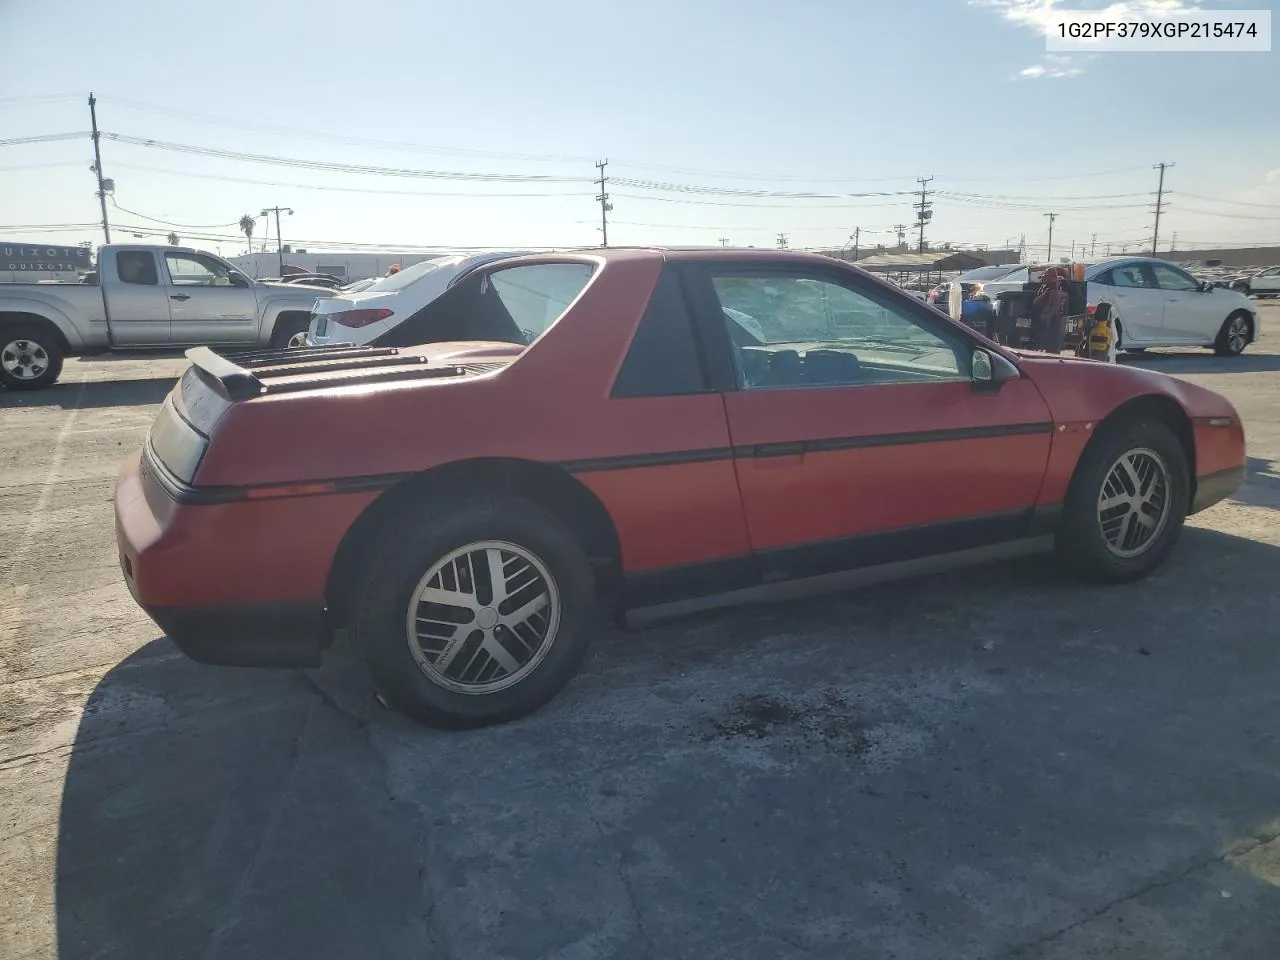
1133 505
483 617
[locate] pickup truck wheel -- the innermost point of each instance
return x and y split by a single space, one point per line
290 331
29 358
1126 503
474 613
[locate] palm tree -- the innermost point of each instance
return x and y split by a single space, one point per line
247 223
173 239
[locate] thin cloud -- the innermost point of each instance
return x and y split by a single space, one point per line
1039 16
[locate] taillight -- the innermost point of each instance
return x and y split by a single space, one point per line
1091 308
360 318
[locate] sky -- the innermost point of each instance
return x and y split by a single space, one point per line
484 122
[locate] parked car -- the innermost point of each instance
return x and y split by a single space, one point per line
1264 283
146 296
1155 303
988 280
360 317
359 285
315 280
596 430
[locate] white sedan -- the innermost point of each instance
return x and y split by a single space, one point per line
1155 303
362 316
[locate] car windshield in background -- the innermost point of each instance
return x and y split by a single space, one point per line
402 279
986 274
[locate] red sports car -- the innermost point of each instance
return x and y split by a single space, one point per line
622 428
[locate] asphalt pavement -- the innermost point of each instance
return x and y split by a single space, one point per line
996 763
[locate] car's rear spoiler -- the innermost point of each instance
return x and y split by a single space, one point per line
241 375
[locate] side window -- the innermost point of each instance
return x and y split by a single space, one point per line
1104 278
137 266
186 269
1131 275
791 331
663 359
1169 278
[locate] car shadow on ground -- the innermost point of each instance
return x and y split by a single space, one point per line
1261 487
70 395
1202 361
997 758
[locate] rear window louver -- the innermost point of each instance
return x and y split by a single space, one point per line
253 373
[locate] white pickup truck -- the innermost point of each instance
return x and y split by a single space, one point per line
145 297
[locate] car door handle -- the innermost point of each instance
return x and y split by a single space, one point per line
179 296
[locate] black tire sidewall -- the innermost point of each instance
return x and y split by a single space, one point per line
1222 345
50 346
408 549
285 329
1080 540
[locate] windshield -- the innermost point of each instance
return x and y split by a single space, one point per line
984 274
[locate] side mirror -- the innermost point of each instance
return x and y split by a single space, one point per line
1206 286
238 280
990 371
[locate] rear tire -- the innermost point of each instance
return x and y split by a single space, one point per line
1236 332
1126 503
29 357
290 332
469 657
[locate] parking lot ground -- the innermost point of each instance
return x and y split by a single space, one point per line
994 763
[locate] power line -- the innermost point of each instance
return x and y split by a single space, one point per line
45 138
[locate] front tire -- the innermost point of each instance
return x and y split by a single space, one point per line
1126 503
1236 332
474 612
29 358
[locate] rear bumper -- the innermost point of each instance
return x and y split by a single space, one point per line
277 635
239 583
1214 487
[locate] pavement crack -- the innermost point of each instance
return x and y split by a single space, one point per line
1233 854
328 699
625 879
250 873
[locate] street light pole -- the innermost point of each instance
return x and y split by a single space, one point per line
279 242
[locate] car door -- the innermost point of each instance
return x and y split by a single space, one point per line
207 302
858 434
1191 315
136 301
1131 290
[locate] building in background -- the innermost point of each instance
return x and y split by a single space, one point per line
349 266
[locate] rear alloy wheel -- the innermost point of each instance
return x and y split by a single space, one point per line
291 331
1126 503
299 339
29 359
474 613
1234 336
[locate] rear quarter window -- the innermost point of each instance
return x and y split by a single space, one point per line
505 305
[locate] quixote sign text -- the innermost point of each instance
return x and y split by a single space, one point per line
42 256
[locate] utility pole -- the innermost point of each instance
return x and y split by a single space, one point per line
1108 249
724 241
782 241
1048 257
279 243
857 237
1173 244
923 209
1022 247
1155 233
97 166
1093 245
1073 249
901 230
605 205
